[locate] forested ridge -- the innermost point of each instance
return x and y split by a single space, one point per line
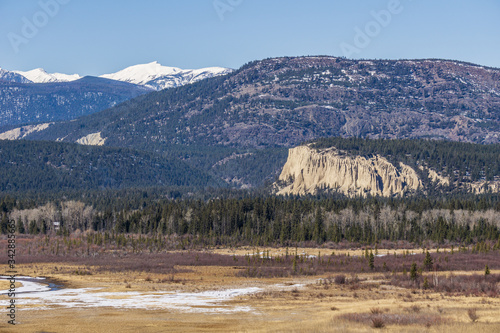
27 166
457 160
248 118
38 166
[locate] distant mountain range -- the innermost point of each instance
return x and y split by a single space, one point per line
23 103
286 101
37 96
238 126
158 77
8 76
39 75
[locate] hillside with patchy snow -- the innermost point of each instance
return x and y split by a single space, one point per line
286 101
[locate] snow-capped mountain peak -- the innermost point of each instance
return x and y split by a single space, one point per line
9 76
152 75
39 75
142 74
158 77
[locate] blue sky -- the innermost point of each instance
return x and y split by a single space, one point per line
92 37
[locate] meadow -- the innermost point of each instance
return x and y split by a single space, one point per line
337 288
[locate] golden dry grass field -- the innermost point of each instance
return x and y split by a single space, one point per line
285 304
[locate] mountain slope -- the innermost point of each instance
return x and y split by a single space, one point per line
9 76
37 96
158 77
39 75
52 166
22 103
228 123
286 101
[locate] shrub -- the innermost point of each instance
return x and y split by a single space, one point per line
415 308
473 316
473 284
395 318
378 322
340 279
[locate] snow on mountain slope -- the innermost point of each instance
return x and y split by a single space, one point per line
159 77
9 76
152 75
141 74
39 75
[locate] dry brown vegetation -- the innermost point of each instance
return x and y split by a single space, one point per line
341 292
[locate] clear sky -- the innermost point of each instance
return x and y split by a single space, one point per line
92 37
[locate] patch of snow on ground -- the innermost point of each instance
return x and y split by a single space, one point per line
39 294
27 286
208 301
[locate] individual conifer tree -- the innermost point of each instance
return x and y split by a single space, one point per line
371 260
20 226
413 272
428 260
426 283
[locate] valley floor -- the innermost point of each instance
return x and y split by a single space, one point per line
218 299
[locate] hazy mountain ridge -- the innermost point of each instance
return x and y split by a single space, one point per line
37 96
23 103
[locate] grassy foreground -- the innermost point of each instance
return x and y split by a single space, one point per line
302 290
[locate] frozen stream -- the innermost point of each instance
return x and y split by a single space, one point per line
36 293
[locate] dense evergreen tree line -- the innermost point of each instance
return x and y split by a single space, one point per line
278 220
456 160
53 166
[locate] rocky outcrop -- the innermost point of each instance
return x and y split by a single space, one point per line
93 139
23 131
435 177
480 187
308 170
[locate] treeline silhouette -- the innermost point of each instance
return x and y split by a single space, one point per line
269 220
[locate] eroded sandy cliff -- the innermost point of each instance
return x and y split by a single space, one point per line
308 170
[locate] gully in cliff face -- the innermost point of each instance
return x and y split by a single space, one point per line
308 170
